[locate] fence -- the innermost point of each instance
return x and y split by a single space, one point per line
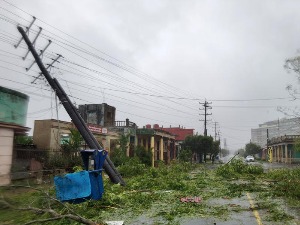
42 165
126 123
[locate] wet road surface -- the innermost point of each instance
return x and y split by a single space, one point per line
242 210
247 214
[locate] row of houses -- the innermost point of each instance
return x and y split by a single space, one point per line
276 138
49 134
163 142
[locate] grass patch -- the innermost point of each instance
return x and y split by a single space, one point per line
286 182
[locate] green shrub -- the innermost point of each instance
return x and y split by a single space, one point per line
118 156
132 167
144 155
185 155
286 182
237 167
23 140
254 169
63 162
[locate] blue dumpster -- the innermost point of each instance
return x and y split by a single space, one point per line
80 186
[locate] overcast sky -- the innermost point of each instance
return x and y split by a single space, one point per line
156 61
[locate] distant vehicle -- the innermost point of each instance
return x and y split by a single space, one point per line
249 158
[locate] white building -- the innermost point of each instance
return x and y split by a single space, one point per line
275 128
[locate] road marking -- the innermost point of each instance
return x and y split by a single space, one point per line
255 212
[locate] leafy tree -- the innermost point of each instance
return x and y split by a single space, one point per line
67 160
191 143
118 154
216 147
206 145
73 144
23 140
252 149
201 145
124 141
185 155
214 150
296 146
143 155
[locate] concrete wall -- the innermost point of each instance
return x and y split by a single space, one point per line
46 134
6 151
41 134
100 114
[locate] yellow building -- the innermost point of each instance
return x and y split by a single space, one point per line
49 134
161 143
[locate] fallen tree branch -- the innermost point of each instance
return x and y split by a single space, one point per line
43 220
144 190
55 215
47 196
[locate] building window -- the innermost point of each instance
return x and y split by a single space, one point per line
64 138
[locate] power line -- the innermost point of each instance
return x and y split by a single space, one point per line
122 62
91 88
250 100
159 82
79 85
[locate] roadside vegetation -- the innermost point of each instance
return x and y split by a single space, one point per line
166 194
161 195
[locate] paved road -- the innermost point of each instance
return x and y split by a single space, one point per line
246 216
242 209
274 165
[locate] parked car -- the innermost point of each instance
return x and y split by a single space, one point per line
249 158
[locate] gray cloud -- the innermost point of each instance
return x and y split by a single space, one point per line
218 50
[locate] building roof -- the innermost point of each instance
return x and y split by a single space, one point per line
21 130
181 133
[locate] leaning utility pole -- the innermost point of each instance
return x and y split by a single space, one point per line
206 106
87 135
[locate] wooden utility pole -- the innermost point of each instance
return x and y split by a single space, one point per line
206 106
